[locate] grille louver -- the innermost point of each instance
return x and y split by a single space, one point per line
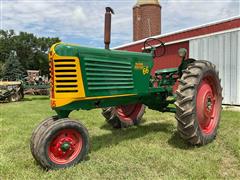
108 75
65 76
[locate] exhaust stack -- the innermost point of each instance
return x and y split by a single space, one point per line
107 29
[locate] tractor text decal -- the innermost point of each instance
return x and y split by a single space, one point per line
139 66
145 70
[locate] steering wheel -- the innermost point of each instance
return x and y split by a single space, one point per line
159 50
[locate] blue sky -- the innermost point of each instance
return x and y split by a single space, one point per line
81 21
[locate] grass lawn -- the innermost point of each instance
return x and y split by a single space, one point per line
152 150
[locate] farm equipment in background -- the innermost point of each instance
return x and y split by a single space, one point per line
121 83
11 91
34 84
36 88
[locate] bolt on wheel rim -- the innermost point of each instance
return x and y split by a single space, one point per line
65 146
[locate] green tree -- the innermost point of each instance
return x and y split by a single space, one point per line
31 51
6 41
12 69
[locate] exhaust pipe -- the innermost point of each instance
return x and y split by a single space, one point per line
107 29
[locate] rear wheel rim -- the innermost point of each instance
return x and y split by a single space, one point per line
129 113
65 146
208 104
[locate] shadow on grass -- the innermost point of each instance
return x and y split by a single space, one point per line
177 142
27 99
108 127
119 135
12 102
32 98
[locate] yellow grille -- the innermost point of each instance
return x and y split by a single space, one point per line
67 81
65 76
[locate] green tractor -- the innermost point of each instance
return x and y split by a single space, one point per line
120 82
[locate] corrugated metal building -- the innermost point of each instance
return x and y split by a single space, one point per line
218 42
223 50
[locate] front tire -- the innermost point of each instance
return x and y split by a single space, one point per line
37 132
198 104
64 143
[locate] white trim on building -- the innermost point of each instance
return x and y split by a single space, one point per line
181 31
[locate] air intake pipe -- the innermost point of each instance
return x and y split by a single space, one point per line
107 29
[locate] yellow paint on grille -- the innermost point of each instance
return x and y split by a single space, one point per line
62 102
63 92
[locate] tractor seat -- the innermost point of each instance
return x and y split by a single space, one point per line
166 71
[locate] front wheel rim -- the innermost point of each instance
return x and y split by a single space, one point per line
65 146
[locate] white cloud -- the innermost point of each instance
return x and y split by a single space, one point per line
183 14
79 15
82 21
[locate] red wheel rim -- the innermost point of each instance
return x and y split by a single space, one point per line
65 146
208 104
129 113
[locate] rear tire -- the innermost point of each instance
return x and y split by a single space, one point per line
111 117
198 104
124 116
